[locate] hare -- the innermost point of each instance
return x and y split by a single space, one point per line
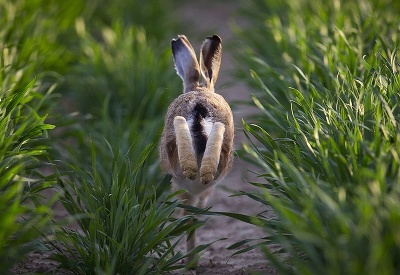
196 145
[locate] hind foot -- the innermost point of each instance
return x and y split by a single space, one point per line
189 169
207 174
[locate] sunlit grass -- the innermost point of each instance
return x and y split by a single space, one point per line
327 143
21 223
24 218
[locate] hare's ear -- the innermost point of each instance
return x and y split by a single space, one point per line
210 59
186 64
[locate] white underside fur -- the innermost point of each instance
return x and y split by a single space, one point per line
194 187
207 124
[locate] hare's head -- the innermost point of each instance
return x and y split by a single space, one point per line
188 68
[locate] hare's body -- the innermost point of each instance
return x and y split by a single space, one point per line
201 110
197 142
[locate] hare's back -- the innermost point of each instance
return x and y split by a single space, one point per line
198 103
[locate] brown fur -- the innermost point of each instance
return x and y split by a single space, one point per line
182 106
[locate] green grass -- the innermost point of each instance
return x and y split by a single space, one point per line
120 80
113 68
327 143
327 81
25 217
127 223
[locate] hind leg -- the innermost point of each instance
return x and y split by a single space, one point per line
212 154
203 197
186 154
191 200
191 242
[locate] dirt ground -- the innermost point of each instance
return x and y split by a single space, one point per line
208 19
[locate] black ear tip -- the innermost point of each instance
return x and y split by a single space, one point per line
173 41
215 38
176 43
180 41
